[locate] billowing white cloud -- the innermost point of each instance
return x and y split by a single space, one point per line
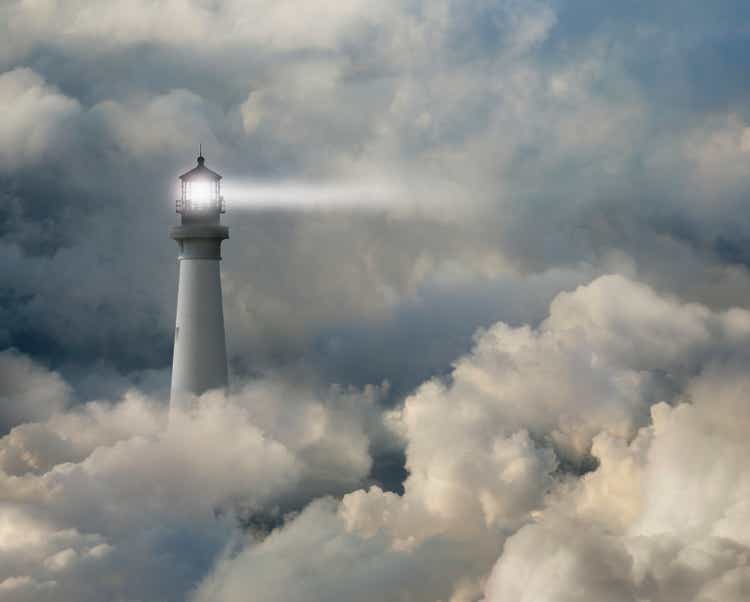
34 116
184 23
164 125
600 454
647 385
662 518
561 564
92 489
315 559
28 392
480 448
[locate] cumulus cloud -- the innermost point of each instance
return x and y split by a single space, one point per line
28 392
483 449
598 454
493 475
163 125
576 565
94 491
661 518
183 23
343 567
34 115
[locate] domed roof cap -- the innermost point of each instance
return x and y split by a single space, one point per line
200 171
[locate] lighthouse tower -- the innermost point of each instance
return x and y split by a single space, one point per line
200 355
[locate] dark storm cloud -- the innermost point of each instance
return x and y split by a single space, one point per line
560 92
576 143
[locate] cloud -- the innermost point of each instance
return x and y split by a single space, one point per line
35 115
344 566
480 445
584 442
524 140
576 565
182 23
28 392
497 477
661 518
164 125
90 493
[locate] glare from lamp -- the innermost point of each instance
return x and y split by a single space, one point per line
200 194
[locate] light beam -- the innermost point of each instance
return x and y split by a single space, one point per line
310 196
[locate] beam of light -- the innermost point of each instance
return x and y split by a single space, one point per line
310 196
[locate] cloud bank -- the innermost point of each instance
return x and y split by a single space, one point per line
495 507
600 454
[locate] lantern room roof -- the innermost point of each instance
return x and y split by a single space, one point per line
200 170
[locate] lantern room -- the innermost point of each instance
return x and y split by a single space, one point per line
200 194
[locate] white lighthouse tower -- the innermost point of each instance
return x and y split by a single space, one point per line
200 355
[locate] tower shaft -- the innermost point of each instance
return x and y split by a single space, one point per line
200 357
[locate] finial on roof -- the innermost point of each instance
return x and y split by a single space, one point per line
201 160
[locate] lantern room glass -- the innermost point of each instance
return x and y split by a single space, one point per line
201 195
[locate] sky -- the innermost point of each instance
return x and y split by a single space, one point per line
486 295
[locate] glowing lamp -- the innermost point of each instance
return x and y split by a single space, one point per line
200 193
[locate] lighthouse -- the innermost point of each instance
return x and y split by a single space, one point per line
200 356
